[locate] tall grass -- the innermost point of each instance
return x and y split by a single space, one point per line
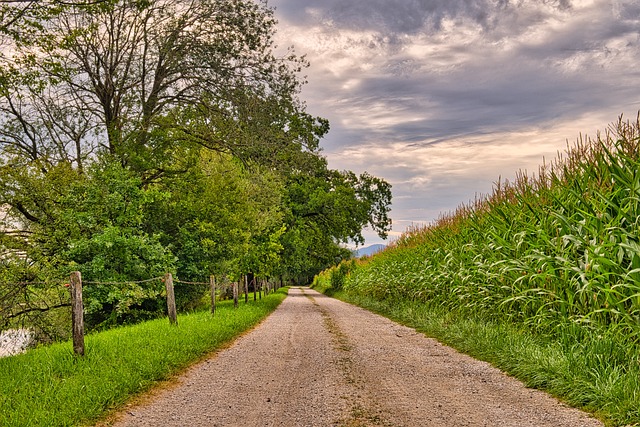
48 386
560 247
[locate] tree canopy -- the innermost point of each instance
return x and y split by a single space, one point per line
138 136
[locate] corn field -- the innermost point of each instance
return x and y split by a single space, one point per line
556 248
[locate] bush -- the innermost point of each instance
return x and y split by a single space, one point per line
339 274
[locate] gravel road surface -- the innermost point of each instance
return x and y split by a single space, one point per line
317 361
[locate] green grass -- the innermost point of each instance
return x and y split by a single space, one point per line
48 386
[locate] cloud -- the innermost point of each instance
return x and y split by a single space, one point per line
529 72
440 97
414 16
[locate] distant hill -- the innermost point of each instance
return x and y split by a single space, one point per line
368 250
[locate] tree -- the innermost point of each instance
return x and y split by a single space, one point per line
142 71
223 217
93 222
329 208
17 16
146 83
268 130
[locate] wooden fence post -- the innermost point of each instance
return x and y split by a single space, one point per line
77 316
212 284
246 289
171 299
255 288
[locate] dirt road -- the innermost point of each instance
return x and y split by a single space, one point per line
320 362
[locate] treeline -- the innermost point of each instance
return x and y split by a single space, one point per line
139 137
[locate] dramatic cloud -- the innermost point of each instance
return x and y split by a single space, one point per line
442 97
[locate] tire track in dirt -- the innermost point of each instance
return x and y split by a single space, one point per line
411 380
362 410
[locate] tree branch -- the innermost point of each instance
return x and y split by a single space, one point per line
38 309
20 207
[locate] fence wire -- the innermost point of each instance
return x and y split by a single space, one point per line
44 306
124 282
184 282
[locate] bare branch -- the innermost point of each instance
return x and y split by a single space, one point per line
36 309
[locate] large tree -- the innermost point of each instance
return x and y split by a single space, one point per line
146 82
329 208
132 77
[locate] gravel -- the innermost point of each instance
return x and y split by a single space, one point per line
317 361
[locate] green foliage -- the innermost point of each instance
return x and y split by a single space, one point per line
322 282
334 278
91 222
119 161
326 208
119 76
99 231
559 248
222 217
338 275
339 204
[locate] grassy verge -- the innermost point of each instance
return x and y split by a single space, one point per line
48 386
599 374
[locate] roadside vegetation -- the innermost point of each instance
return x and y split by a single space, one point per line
541 278
49 386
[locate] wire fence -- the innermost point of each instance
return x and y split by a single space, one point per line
43 306
136 282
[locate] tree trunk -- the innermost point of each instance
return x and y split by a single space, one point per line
235 294
246 289
212 285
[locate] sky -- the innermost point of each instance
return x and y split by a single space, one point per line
441 98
